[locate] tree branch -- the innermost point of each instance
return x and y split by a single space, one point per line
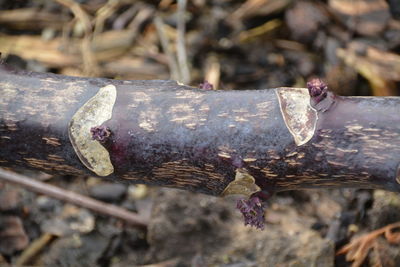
214 142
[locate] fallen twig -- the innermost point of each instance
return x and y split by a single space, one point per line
172 64
34 248
72 197
89 61
180 43
358 249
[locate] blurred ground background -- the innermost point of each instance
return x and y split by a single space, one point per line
255 44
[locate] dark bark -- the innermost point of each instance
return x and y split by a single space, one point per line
162 133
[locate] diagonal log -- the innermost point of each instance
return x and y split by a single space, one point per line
214 142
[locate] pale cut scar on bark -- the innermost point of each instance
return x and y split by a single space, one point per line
93 113
300 118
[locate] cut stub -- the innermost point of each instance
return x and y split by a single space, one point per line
244 184
93 113
299 116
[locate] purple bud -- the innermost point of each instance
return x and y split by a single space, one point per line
206 86
100 133
318 90
253 211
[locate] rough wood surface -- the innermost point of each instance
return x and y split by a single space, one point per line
172 135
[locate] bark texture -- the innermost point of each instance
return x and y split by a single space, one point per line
172 135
